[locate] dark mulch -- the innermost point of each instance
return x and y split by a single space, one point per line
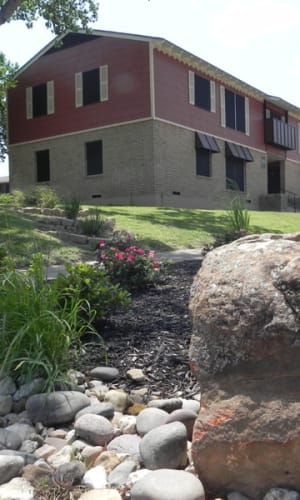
154 334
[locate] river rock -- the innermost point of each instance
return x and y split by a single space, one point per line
168 405
164 447
106 494
120 473
9 439
95 477
150 418
118 398
168 484
10 467
127 443
7 386
105 373
17 489
5 405
187 417
56 408
104 409
245 350
69 474
95 429
282 494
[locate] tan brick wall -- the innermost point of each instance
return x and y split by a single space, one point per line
175 171
127 165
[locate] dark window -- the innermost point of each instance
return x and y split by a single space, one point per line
203 160
94 163
202 92
235 174
91 86
42 165
235 111
39 100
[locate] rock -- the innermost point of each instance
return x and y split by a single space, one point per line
95 478
25 431
17 489
245 348
187 417
10 467
127 424
104 409
282 494
136 409
127 443
117 398
9 439
236 495
69 474
108 459
76 377
150 418
29 389
37 474
164 447
168 484
120 473
89 454
56 442
55 408
61 457
105 373
45 451
168 405
191 404
136 375
7 386
28 458
95 429
5 404
106 494
29 446
136 476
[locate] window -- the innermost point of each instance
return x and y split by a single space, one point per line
234 111
235 173
203 162
40 100
94 161
201 92
91 86
42 159
205 145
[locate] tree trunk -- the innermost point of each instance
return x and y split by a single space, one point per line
8 9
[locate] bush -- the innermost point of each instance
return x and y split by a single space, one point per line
39 329
93 224
132 267
71 206
6 199
18 198
92 284
39 196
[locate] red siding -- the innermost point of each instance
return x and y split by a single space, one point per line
129 92
172 103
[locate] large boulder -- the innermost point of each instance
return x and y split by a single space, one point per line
245 351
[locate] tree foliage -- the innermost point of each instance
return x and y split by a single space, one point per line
59 15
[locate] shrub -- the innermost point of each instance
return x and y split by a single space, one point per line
39 196
93 224
238 216
39 329
132 267
92 284
6 199
71 206
18 198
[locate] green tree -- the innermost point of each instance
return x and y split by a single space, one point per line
59 15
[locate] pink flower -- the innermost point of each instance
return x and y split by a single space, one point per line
101 243
140 251
120 255
151 254
156 264
103 256
130 257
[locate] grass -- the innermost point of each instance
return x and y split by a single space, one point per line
157 228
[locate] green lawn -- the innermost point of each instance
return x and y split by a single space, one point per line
157 228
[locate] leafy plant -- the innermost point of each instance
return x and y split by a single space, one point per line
92 284
71 206
92 224
6 199
132 267
39 329
238 216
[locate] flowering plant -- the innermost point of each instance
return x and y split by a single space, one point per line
132 267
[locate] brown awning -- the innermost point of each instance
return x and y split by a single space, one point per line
238 151
204 141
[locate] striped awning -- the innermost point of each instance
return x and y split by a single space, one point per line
238 151
204 141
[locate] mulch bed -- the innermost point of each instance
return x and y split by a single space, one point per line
154 335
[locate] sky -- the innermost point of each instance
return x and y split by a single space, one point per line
256 41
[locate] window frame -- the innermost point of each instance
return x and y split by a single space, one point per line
238 165
91 156
234 110
101 74
33 105
195 95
